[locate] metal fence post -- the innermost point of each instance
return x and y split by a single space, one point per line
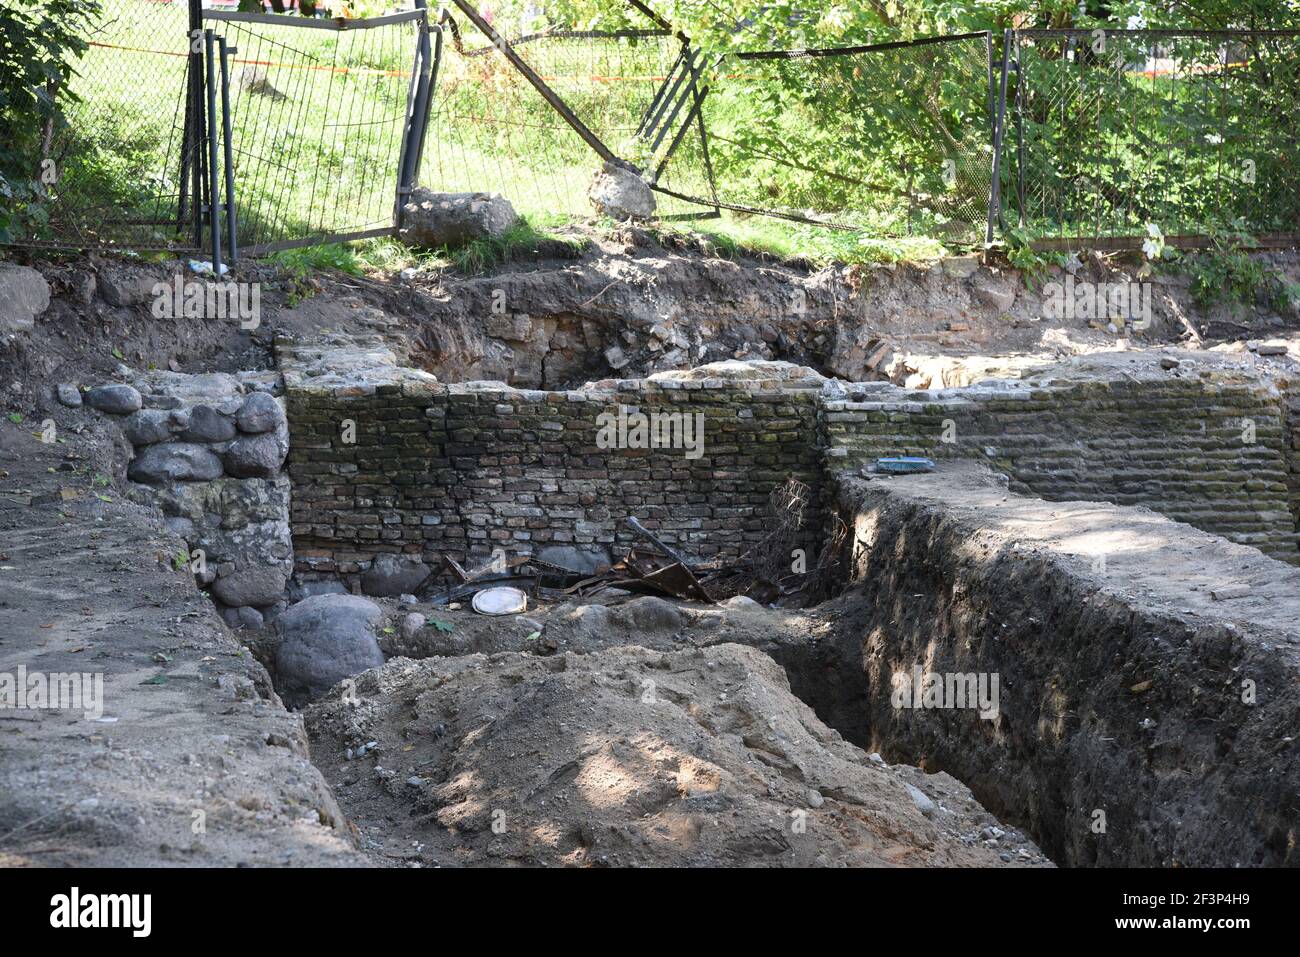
214 193
418 103
191 148
995 191
228 152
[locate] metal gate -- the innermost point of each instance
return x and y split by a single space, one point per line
320 123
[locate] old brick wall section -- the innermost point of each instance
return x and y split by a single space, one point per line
1180 445
464 469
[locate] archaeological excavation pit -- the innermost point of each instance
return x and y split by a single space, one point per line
1073 643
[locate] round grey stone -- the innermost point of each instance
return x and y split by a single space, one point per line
148 426
259 413
255 456
68 394
324 640
208 425
174 462
116 399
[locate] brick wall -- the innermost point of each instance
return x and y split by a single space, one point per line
464 469
1178 445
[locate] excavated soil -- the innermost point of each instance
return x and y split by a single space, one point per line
628 757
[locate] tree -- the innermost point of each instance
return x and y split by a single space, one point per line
40 41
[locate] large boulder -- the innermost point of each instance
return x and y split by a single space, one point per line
324 640
434 220
392 575
620 194
24 295
174 462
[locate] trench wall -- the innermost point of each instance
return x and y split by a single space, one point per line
466 469
1219 452
1140 722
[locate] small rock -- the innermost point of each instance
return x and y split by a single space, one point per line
68 394
921 800
621 194
411 625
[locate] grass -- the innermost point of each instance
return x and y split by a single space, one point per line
784 239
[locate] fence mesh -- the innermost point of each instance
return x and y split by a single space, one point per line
491 131
892 140
318 117
1190 132
117 162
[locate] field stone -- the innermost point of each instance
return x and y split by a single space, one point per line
251 585
390 576
24 295
149 426
243 617
174 462
256 456
208 425
115 399
433 220
411 625
68 394
621 194
325 639
259 413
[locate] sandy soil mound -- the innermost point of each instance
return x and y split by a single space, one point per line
626 757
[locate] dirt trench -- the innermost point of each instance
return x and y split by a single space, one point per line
1141 722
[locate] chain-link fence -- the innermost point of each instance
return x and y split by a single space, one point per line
1104 135
117 171
1113 132
491 130
893 139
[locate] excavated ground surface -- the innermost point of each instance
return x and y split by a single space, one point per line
551 729
1126 687
190 722
628 757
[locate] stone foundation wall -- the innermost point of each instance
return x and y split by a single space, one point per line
207 451
463 470
1213 449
